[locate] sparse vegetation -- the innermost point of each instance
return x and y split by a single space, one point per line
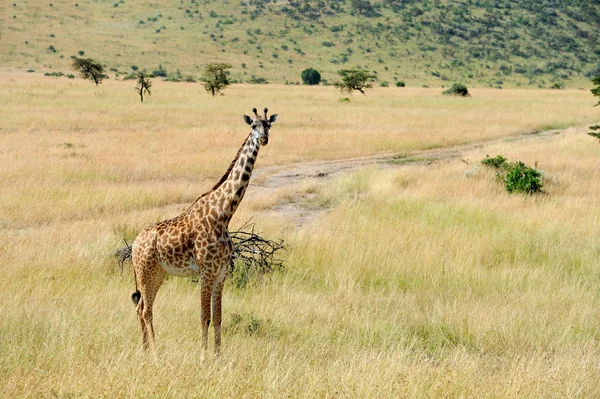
477 43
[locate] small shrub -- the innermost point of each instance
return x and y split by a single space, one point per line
521 178
384 84
498 162
257 80
457 89
160 72
344 100
400 84
516 176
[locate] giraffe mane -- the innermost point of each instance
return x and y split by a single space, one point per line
226 175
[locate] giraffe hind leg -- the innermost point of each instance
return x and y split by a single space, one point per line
140 311
148 295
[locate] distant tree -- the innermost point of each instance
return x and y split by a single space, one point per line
362 7
88 69
311 76
215 78
457 89
596 92
143 84
355 79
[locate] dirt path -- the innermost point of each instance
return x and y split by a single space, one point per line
270 179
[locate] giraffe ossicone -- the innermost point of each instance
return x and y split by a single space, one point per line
197 242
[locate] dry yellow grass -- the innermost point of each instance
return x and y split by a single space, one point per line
417 282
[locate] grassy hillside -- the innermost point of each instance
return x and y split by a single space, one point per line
481 43
417 280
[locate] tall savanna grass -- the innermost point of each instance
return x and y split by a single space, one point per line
416 281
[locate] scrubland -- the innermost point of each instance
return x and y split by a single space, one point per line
424 280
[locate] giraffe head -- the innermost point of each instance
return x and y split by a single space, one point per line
261 125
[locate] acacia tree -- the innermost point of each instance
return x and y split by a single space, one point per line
215 78
355 79
89 69
596 92
143 84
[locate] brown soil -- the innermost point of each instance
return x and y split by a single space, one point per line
268 180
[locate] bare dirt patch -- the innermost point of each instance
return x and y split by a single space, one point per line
303 209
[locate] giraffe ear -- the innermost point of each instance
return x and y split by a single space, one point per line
273 118
248 119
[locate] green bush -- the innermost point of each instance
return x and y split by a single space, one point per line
498 162
521 178
457 89
516 176
257 80
400 84
160 72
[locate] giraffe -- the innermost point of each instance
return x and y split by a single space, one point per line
197 242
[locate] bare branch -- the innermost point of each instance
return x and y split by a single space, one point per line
253 255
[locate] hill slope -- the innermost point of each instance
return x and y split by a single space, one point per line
479 42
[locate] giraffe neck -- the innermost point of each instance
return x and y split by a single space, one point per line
229 193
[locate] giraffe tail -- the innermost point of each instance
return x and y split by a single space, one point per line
136 296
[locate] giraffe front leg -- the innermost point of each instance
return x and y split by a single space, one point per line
205 295
217 295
